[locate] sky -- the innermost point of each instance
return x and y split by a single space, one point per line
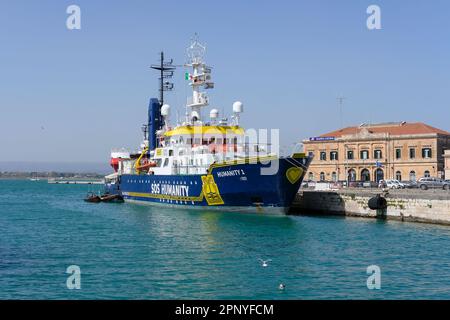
72 95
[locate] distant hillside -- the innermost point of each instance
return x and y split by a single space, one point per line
72 167
47 175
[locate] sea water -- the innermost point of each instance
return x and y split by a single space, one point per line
129 251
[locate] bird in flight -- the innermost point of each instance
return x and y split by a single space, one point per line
265 263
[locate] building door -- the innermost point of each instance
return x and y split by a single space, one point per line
351 175
365 175
379 175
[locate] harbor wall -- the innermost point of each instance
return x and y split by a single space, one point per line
404 205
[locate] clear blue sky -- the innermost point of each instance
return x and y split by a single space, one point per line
74 95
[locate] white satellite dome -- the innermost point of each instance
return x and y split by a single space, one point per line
165 110
195 116
214 114
238 107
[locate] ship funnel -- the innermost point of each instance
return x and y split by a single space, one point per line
154 122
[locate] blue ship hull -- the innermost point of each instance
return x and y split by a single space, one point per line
239 186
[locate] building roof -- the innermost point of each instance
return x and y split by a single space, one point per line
398 128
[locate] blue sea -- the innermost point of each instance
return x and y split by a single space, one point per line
127 251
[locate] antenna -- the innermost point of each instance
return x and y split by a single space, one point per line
166 72
340 100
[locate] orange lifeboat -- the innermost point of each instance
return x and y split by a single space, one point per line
146 165
115 163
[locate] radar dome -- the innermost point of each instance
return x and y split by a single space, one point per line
238 107
165 110
214 114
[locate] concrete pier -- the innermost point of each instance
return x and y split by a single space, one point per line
432 206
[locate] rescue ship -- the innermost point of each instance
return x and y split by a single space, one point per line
202 163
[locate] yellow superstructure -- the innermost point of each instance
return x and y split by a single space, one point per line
205 130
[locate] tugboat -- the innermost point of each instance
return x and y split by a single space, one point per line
202 163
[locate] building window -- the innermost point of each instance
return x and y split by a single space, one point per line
322 176
323 156
412 153
398 154
350 155
398 176
412 176
364 154
311 154
365 175
426 153
334 176
427 174
377 154
334 155
311 176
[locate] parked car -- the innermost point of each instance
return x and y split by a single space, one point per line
410 184
433 183
391 184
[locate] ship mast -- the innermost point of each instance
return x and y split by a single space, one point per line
166 72
199 78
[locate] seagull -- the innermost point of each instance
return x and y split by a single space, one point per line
264 263
281 286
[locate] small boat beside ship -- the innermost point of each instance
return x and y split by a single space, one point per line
94 198
203 163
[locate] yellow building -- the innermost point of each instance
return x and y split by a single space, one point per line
402 151
447 164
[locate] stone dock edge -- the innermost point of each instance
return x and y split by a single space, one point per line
431 206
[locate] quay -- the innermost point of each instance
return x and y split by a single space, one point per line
413 205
